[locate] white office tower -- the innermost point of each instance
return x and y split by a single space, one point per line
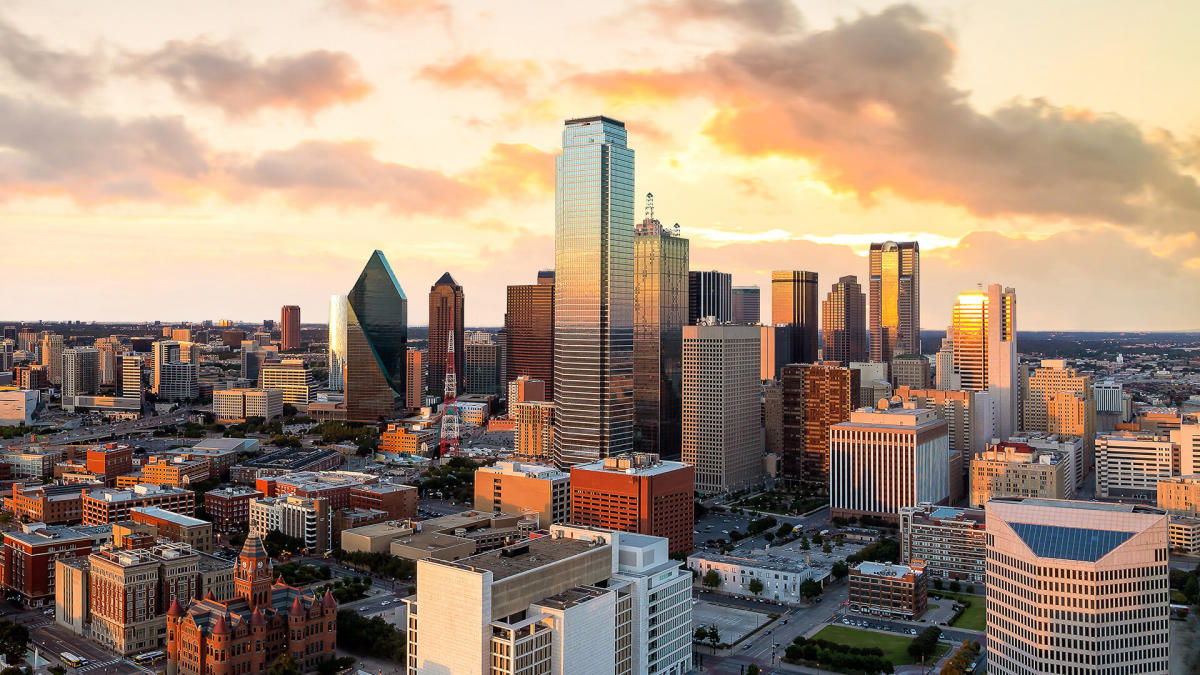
1108 397
581 600
1076 587
984 345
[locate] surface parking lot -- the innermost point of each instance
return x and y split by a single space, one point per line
732 623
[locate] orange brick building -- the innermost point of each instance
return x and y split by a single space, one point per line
179 471
246 633
104 506
50 504
636 492
110 460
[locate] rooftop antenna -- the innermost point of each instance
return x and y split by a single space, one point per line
649 206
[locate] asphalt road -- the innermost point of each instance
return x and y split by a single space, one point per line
85 434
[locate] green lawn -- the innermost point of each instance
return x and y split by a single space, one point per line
895 647
973 618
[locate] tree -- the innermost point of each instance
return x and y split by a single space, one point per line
804 543
289 410
827 548
712 579
14 641
769 537
924 644
756 586
714 637
937 583
955 586
810 589
971 588
752 669
284 664
840 570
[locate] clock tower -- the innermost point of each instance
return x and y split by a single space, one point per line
253 580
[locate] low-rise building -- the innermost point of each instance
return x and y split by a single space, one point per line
350 518
229 507
1180 495
236 405
580 600
397 501
408 438
103 506
34 462
175 470
889 590
949 543
337 487
285 461
49 504
781 578
515 487
110 460
196 533
1012 469
1185 535
447 537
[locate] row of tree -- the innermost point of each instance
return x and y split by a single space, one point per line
373 637
837 657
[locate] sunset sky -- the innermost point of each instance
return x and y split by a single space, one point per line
209 160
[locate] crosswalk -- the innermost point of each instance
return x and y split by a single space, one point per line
98 664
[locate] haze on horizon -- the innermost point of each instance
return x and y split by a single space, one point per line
220 160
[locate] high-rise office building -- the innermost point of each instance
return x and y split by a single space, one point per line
52 349
883 460
910 370
985 349
722 432
1076 587
80 373
535 430
482 356
291 377
659 313
710 294
944 373
289 328
775 350
254 355
844 322
815 397
6 354
593 292
746 305
895 287
1058 399
338 321
414 375
529 323
376 337
794 303
445 317
523 488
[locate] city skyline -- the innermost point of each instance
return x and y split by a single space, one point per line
251 168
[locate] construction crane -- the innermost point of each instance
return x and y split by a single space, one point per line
451 419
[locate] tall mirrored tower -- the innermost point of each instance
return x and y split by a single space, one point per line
593 292
376 337
895 287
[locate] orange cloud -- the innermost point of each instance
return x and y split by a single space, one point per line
515 169
398 8
225 76
510 78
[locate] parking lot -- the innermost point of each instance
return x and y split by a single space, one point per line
732 623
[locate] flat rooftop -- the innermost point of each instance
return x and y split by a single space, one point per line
572 597
765 562
876 569
1080 505
524 557
163 514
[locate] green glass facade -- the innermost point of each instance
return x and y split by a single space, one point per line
376 343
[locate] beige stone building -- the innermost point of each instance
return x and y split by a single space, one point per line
1180 495
1013 469
1130 464
1057 399
535 430
1091 576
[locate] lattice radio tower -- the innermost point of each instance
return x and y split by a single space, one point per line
451 420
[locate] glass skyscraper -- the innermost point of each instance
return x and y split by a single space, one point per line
794 303
376 343
660 308
593 292
895 280
337 342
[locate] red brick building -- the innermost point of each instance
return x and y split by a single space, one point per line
49 504
636 492
399 501
104 506
28 556
110 460
229 508
334 486
246 633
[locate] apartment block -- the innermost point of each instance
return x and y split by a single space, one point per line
527 489
950 543
1091 576
636 492
1014 469
580 600
889 590
535 430
883 460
